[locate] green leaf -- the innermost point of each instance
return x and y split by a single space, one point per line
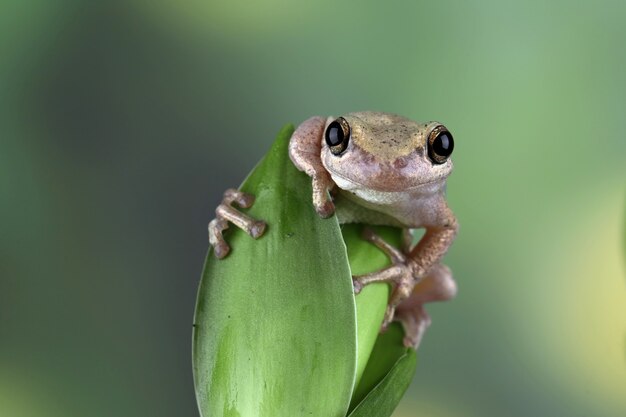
371 303
386 353
375 366
385 396
377 354
274 332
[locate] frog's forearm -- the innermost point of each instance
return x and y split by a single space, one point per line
305 145
304 150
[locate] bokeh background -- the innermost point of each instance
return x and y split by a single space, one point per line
121 123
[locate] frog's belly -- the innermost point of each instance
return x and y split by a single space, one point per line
388 209
350 212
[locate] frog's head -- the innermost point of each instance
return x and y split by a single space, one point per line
385 152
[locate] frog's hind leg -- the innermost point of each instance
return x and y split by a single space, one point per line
437 285
400 274
225 213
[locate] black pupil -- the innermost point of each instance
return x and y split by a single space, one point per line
334 134
443 144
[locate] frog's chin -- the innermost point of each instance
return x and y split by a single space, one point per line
432 186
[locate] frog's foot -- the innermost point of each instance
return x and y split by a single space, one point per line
414 322
401 274
438 285
225 213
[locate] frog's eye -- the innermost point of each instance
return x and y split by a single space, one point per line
440 144
338 135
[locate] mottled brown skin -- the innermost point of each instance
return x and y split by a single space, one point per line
386 177
383 177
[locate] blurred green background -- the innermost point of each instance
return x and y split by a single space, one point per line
121 123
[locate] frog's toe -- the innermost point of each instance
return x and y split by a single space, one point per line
388 318
357 285
409 342
216 240
221 250
243 200
368 234
257 229
325 209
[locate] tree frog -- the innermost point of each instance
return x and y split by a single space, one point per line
378 169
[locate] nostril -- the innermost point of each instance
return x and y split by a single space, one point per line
400 163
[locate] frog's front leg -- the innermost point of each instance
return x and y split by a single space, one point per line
304 150
225 213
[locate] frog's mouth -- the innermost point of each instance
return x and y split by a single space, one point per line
390 184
